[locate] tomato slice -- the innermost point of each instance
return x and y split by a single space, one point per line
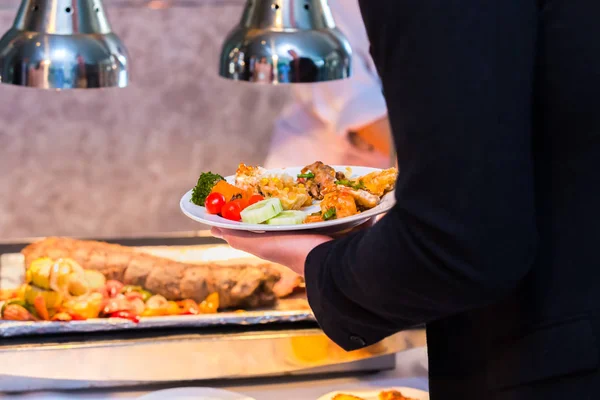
242 202
232 211
214 203
255 199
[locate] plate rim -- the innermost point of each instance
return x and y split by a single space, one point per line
208 390
261 228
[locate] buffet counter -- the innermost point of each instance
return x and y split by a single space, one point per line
263 352
410 371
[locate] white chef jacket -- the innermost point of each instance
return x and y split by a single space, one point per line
316 125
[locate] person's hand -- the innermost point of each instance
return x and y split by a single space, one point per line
288 249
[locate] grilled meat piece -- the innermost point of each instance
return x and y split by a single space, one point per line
380 182
324 179
313 190
393 395
364 199
238 286
342 201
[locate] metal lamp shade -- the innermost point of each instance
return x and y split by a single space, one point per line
286 41
63 44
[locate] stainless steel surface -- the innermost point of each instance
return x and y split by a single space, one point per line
63 44
133 362
152 4
286 41
250 318
208 357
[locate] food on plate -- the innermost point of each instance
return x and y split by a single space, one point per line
318 178
255 198
247 177
293 195
384 395
341 202
289 217
214 203
251 196
228 191
206 182
262 211
346 397
393 395
379 183
232 210
238 286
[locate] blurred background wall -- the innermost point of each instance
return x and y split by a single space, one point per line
115 162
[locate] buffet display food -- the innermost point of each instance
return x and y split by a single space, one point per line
259 196
383 395
74 280
250 319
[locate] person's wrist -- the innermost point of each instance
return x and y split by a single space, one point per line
300 263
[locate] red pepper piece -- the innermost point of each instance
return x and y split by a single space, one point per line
76 317
125 315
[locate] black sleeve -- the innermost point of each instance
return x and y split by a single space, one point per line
458 81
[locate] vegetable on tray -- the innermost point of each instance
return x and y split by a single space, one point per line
118 281
17 312
243 285
49 295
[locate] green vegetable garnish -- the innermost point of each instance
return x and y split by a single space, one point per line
354 185
308 175
145 294
206 182
329 214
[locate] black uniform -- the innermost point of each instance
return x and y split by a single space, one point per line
493 242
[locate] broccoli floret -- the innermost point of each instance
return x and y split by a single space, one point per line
206 182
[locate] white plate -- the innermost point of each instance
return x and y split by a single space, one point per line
199 214
194 394
374 394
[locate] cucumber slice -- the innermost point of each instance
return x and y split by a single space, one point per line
290 217
262 211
